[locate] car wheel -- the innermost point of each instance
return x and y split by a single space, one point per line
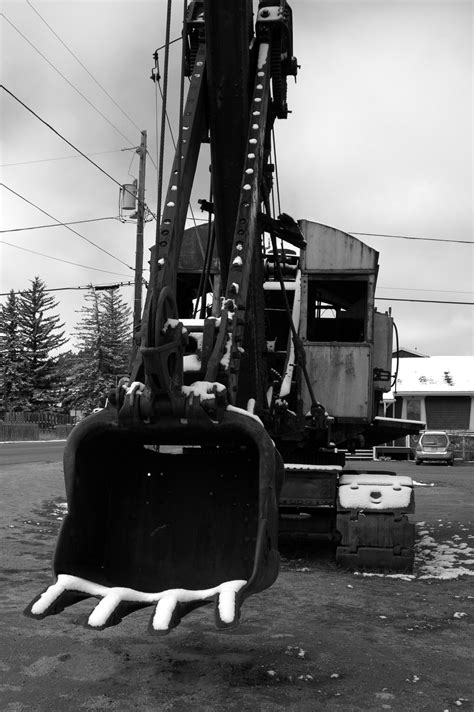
418 462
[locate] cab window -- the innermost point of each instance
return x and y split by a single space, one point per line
337 310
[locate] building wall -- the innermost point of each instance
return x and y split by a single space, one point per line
445 412
452 413
448 412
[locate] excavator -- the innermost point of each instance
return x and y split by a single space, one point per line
259 360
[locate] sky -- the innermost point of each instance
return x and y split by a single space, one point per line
379 141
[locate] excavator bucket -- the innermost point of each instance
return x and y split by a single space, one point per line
172 514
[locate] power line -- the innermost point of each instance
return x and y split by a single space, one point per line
59 158
69 289
58 259
83 66
411 237
66 79
65 225
417 289
60 135
58 224
164 97
425 301
25 106
126 284
155 75
151 159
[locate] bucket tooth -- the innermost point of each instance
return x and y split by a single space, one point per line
227 609
53 600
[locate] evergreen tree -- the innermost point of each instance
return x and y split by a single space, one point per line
103 337
87 385
116 333
41 335
12 362
68 365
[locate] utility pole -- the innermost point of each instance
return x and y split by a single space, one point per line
137 304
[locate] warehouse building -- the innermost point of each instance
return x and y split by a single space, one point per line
438 390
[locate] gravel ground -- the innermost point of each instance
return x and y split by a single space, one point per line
319 639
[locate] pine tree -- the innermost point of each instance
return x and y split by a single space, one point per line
42 334
13 371
116 333
87 385
68 366
103 337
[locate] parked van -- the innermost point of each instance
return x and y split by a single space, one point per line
434 445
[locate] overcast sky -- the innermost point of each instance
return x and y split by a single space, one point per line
379 141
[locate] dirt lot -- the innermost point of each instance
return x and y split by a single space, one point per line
319 639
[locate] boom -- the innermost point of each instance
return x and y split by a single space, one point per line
185 481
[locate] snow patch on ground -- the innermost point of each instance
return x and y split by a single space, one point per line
442 560
60 510
371 574
295 651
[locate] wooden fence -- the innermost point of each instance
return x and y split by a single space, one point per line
44 419
19 431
